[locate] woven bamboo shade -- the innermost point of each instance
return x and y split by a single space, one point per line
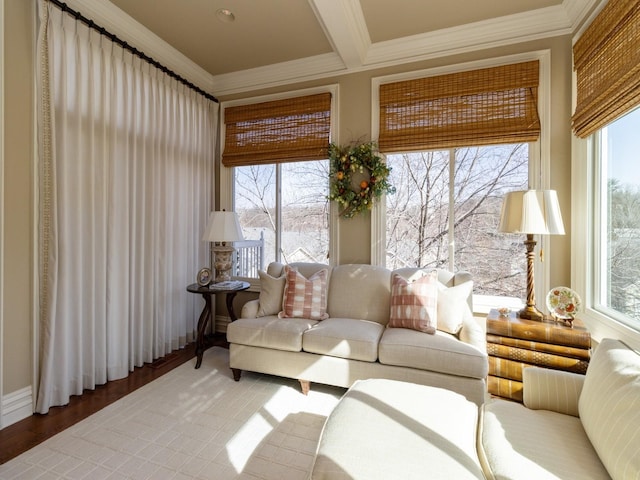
479 107
607 64
286 130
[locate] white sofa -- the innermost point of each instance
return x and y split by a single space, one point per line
354 342
570 427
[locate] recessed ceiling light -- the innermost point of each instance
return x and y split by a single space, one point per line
225 15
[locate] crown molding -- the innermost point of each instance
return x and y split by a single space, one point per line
107 15
311 68
578 11
345 27
507 30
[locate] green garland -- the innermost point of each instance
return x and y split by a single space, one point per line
344 162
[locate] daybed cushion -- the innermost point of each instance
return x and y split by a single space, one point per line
609 407
441 352
345 338
386 429
522 444
269 332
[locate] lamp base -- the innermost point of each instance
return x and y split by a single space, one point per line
222 262
530 312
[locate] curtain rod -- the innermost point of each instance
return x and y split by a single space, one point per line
91 24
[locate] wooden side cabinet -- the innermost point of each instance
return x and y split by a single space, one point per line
514 344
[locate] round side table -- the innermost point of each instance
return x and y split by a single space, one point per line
230 289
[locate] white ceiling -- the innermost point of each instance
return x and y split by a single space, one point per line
275 42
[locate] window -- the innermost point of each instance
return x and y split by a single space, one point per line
605 177
617 217
277 147
286 206
457 139
446 210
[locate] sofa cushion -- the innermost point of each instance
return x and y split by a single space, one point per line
345 338
609 407
386 429
414 302
271 293
453 306
360 292
523 444
269 332
441 352
304 298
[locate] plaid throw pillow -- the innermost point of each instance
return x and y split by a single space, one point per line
414 304
305 298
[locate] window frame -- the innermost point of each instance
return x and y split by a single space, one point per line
227 175
585 183
539 159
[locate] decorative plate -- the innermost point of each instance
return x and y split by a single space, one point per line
563 303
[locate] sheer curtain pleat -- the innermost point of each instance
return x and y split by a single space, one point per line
127 157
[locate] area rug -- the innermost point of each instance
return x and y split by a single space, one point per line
191 424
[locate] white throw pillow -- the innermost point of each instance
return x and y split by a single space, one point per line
453 306
271 293
609 407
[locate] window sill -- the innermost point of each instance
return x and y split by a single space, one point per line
601 326
482 304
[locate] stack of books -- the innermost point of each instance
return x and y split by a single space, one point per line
514 344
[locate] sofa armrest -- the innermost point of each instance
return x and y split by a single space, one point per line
555 390
250 309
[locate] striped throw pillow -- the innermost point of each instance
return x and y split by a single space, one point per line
414 303
305 298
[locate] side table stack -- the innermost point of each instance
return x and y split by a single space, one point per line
514 343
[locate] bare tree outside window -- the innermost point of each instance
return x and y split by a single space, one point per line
301 194
446 215
619 212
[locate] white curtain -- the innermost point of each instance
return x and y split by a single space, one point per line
126 177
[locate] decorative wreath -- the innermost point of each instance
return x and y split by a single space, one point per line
363 159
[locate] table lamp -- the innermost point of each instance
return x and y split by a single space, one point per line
532 212
223 228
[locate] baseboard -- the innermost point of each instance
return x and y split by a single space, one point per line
221 323
16 406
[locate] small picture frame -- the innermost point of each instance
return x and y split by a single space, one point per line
204 277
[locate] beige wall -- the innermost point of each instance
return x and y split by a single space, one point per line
17 204
354 124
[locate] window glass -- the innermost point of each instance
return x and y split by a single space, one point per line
283 211
305 211
618 292
446 211
418 213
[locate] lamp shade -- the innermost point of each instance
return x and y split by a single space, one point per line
532 212
223 227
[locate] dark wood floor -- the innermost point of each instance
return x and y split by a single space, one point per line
21 436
